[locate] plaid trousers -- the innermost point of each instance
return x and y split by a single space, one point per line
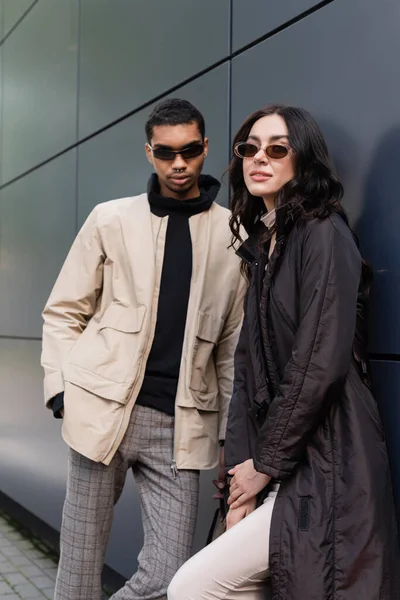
169 512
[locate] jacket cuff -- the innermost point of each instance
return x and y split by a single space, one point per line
222 428
53 385
57 404
270 471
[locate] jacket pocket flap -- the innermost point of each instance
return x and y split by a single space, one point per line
208 401
209 327
123 318
97 385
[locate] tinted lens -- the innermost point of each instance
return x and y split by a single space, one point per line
192 151
163 154
277 151
186 153
246 150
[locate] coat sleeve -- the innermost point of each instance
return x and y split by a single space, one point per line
225 355
315 374
71 304
237 444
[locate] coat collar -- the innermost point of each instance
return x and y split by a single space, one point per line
269 219
249 250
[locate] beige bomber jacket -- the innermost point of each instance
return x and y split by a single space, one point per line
99 325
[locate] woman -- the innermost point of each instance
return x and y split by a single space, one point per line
305 442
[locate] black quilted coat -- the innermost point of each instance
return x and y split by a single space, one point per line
302 408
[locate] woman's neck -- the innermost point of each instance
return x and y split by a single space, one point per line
269 203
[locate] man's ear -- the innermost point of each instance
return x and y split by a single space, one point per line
149 153
205 147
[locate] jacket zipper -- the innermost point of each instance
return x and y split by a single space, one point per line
174 469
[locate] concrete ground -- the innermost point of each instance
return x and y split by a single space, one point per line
28 567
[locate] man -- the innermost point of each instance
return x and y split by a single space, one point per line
138 342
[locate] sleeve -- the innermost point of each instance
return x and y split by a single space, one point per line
315 374
237 443
225 352
71 304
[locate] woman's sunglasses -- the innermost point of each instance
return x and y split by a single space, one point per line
275 151
186 153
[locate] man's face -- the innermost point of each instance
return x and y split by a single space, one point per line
178 177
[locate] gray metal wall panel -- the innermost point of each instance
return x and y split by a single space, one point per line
13 10
352 89
33 459
40 82
1 19
251 20
114 165
386 377
1 94
133 51
38 215
378 229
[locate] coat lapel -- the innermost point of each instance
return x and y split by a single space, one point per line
200 230
137 235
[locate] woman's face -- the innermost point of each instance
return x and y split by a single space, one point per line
265 176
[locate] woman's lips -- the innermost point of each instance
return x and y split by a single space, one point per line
259 176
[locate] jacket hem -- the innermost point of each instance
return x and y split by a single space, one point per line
197 466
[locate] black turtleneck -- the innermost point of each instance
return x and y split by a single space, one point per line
163 365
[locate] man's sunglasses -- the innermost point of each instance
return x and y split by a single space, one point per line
275 151
186 153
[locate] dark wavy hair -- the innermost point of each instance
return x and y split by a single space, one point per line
315 191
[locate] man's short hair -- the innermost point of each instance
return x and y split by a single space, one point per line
174 112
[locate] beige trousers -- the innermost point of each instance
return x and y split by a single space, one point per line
234 566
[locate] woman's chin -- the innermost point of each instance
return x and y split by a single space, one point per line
261 190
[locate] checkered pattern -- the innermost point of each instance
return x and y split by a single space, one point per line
169 510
